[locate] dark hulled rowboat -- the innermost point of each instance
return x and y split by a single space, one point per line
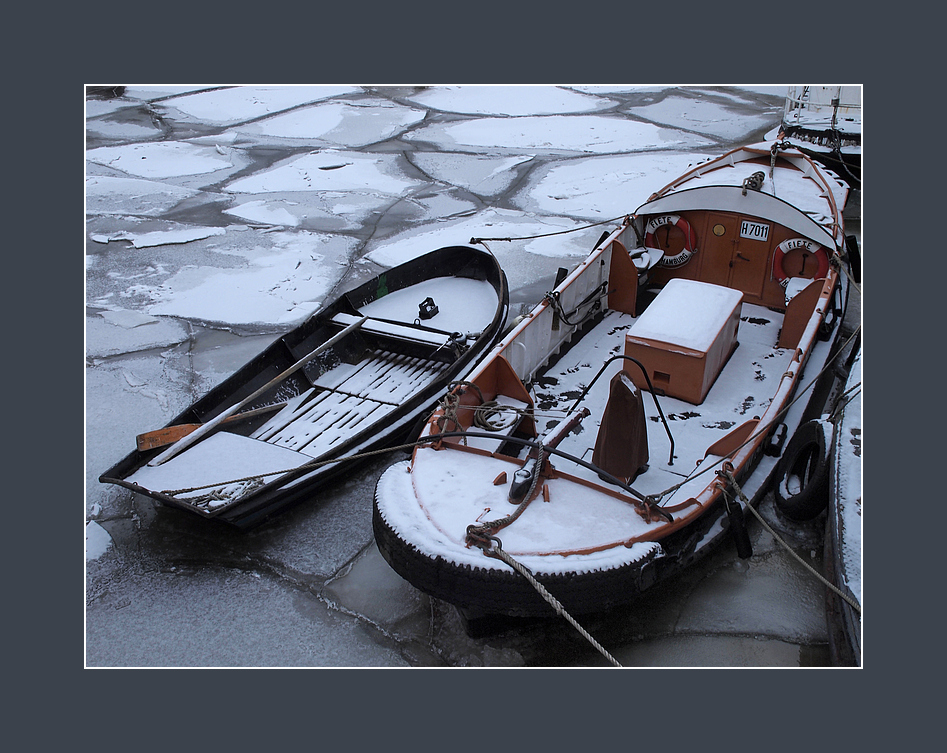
367 369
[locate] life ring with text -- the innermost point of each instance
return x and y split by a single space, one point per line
690 238
810 247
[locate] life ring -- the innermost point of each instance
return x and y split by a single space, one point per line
690 238
791 245
802 476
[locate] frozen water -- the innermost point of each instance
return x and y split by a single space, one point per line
130 196
334 123
705 114
237 104
560 134
509 100
161 160
601 188
244 212
97 540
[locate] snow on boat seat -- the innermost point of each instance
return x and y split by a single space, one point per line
405 332
218 459
345 397
684 338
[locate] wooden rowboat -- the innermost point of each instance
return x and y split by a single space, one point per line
356 376
622 427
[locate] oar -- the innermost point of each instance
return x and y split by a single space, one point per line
185 442
151 440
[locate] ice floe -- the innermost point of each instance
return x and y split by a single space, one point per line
329 170
238 104
132 196
159 160
348 124
554 134
508 100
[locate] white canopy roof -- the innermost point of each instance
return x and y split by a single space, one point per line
732 199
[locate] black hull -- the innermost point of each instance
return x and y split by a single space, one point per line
826 148
488 592
276 496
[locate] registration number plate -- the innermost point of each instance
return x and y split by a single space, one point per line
755 230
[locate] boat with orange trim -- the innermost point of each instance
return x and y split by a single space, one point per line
622 427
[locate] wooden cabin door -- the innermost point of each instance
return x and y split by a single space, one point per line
736 252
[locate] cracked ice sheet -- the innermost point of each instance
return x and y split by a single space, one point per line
521 260
242 103
330 170
119 131
600 188
166 159
706 116
279 286
508 100
121 331
555 134
161 237
348 124
325 211
484 176
105 195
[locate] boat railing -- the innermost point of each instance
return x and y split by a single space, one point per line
822 106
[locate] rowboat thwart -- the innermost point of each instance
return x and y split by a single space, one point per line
356 377
621 428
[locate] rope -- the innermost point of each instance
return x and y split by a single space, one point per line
484 531
312 465
695 473
498 553
547 235
594 298
851 602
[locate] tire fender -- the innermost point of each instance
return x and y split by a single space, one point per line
802 476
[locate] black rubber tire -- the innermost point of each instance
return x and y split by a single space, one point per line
506 592
802 478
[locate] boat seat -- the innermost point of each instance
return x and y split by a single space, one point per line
398 330
347 398
621 446
645 260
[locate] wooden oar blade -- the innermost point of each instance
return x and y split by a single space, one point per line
161 437
171 434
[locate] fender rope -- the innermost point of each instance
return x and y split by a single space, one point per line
851 602
498 553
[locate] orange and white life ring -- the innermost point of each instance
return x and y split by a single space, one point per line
808 246
690 238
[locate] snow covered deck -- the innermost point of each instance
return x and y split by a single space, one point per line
743 390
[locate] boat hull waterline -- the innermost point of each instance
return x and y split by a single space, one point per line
603 443
354 378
